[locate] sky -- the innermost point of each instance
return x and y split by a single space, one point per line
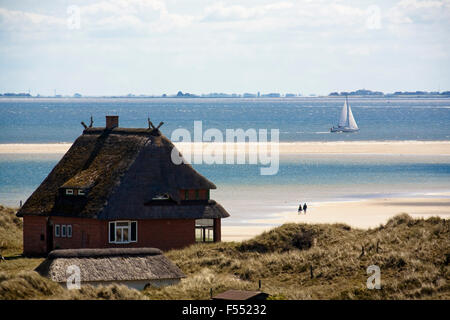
119 47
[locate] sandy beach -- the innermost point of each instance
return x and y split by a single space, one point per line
353 147
360 214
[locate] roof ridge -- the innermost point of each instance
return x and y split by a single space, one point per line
109 252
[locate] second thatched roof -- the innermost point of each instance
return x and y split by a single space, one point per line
114 264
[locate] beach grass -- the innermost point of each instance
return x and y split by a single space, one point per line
293 261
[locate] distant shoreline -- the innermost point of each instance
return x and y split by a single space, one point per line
409 147
299 98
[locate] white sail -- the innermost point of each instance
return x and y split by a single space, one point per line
347 122
343 118
351 121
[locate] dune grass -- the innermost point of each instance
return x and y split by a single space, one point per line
293 261
324 261
11 240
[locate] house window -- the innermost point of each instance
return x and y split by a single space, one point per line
204 230
186 194
197 194
57 230
122 231
81 192
69 192
63 230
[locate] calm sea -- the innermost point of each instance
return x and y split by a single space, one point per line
58 120
240 187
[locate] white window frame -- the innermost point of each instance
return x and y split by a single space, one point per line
69 192
122 227
205 227
57 231
63 231
69 234
81 192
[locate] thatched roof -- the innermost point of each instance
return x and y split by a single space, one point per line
117 264
121 169
108 252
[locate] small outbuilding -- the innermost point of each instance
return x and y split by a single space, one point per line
133 267
241 295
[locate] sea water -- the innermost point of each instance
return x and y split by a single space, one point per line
58 120
241 189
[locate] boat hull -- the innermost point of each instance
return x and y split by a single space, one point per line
343 129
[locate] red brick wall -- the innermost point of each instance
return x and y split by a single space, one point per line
86 233
33 228
217 230
92 233
112 121
164 234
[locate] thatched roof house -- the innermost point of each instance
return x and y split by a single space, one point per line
134 267
119 187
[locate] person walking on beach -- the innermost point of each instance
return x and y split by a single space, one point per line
300 208
305 207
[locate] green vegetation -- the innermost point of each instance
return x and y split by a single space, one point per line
294 261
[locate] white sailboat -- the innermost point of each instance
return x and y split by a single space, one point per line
347 122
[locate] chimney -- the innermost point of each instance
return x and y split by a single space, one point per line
112 122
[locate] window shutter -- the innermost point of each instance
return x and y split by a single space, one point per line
133 231
112 232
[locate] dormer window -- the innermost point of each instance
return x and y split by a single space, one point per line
163 196
81 192
69 192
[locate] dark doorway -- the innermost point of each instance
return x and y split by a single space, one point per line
49 236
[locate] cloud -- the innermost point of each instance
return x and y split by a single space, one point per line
122 7
99 19
221 12
14 20
156 38
284 15
417 11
